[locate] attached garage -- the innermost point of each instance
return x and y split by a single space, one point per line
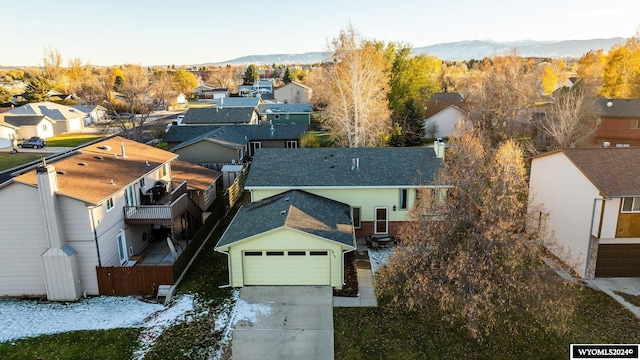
293 238
618 260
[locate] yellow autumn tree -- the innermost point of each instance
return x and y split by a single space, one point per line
549 79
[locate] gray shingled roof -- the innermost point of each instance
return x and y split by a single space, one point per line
294 209
23 120
49 109
226 136
184 133
331 167
178 134
446 98
619 107
614 171
284 108
248 102
213 115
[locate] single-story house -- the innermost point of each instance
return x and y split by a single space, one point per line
8 133
65 119
291 238
220 116
379 184
292 93
31 125
588 199
102 220
285 113
209 92
95 113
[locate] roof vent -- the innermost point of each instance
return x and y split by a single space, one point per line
283 212
60 172
104 147
112 182
82 164
98 157
147 163
287 199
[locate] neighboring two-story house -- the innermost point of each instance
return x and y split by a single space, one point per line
105 219
285 113
619 122
588 200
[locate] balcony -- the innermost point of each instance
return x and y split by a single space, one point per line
163 208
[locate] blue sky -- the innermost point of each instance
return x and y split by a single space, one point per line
177 32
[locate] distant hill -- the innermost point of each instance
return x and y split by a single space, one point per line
461 50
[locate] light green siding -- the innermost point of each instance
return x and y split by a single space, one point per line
284 118
286 239
367 199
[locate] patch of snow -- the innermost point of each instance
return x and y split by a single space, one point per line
378 258
157 322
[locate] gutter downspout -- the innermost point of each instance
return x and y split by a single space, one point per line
593 215
95 236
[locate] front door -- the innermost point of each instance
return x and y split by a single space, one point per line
122 248
381 222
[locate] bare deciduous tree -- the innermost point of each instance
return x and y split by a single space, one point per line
499 97
52 63
570 118
357 113
466 254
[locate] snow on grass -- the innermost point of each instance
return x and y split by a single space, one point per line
25 318
378 258
157 322
230 314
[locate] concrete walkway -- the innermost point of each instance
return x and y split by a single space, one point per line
300 325
366 295
610 286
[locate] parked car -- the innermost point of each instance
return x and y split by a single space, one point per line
33 142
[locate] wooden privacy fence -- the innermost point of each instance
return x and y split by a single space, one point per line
234 192
133 280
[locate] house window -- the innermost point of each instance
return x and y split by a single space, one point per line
355 215
130 196
109 204
122 248
276 116
381 220
634 124
623 145
44 127
292 144
631 204
164 170
404 193
142 183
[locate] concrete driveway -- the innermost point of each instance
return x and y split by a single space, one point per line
614 286
300 325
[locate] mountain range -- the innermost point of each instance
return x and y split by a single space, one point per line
455 51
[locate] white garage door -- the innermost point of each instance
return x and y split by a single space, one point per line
300 267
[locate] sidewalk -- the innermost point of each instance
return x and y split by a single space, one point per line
366 295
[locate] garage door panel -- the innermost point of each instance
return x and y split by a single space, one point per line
287 268
618 260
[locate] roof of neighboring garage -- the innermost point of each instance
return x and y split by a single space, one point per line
343 167
24 120
295 209
213 115
619 107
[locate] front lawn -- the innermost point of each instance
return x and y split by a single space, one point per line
8 160
393 332
71 140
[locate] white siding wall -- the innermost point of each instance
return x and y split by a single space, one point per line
108 225
568 197
366 199
610 220
447 120
22 241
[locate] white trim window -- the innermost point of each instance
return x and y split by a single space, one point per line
292 144
381 221
109 203
403 203
122 248
254 146
631 205
355 217
130 195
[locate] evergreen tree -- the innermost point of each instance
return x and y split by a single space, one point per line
413 124
251 75
287 76
37 89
